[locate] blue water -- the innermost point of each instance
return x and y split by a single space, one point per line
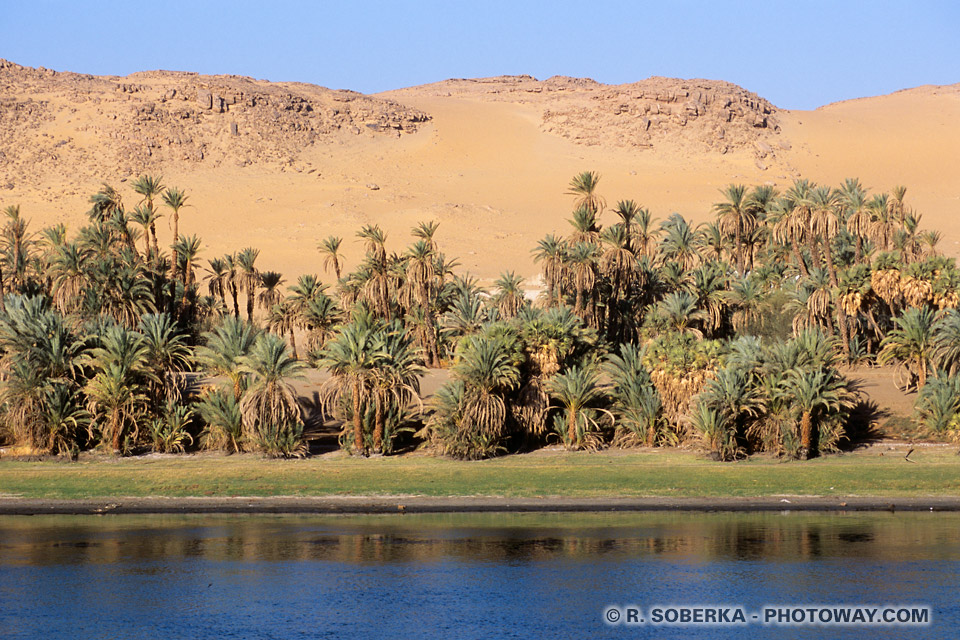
464 576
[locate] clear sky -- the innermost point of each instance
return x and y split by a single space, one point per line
799 54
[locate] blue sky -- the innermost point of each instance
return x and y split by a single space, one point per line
799 54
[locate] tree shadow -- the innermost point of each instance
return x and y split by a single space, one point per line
863 425
320 432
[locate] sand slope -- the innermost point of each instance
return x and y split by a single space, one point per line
489 168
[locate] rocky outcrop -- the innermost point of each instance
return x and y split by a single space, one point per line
698 115
84 126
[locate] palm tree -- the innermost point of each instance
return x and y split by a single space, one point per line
583 267
70 278
748 300
680 242
509 298
146 218
678 312
105 202
396 383
853 198
150 187
176 200
815 391
116 395
736 218
232 281
224 347
330 248
187 248
628 210
284 318
352 358
270 295
551 251
579 395
319 316
911 343
270 407
637 407
584 187
167 359
425 231
487 372
217 280
618 262
249 277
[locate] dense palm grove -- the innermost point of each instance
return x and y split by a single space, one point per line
734 334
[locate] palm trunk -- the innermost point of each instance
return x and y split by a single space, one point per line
293 345
572 429
799 258
116 427
176 236
921 373
156 246
250 300
806 433
236 301
739 250
378 427
651 435
357 420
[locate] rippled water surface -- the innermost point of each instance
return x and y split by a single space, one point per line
463 576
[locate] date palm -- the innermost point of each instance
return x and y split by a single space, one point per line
509 296
853 199
176 200
911 343
628 210
747 298
223 348
352 358
285 318
330 249
249 277
168 358
581 400
117 393
488 374
551 253
584 187
736 218
104 202
272 415
270 282
146 218
636 403
583 270
680 241
815 393
150 187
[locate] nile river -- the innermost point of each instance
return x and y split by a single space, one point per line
467 576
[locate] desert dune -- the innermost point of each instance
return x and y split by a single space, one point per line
490 160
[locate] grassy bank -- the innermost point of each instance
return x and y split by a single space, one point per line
935 471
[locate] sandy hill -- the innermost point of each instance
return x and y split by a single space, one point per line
280 166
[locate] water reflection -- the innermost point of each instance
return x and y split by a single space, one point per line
484 575
498 538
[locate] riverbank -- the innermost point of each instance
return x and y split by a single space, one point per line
355 505
881 471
